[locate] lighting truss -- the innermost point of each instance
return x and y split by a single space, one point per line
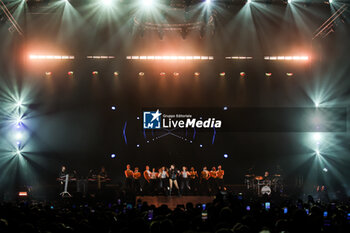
328 26
11 19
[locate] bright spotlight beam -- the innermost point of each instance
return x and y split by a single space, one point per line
18 152
19 103
106 2
147 2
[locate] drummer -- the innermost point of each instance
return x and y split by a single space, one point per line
266 175
267 178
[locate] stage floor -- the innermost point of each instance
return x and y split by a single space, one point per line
173 201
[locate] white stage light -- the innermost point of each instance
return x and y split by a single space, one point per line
317 137
18 136
19 103
106 2
147 2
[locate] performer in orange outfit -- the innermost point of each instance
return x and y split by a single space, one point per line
212 181
220 178
128 178
147 176
137 178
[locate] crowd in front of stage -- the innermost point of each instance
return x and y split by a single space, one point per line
167 180
226 214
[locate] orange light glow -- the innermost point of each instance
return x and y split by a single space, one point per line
171 58
50 57
287 58
23 194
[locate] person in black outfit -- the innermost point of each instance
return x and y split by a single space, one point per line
173 173
62 177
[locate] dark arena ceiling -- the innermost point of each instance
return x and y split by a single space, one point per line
69 62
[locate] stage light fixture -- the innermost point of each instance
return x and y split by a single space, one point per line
289 1
268 74
147 2
113 108
106 2
242 74
162 74
196 74
225 156
50 57
116 74
138 145
176 74
141 74
325 169
18 152
200 145
287 58
289 74
48 73
222 74
225 108
208 2
330 1
19 103
238 58
70 74
317 138
249 1
22 194
18 136
112 156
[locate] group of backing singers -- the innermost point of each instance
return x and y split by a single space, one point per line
164 180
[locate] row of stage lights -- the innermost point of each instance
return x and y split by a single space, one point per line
141 74
172 58
149 3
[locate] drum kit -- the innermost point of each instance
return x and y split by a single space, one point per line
264 185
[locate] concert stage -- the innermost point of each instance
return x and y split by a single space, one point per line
173 201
